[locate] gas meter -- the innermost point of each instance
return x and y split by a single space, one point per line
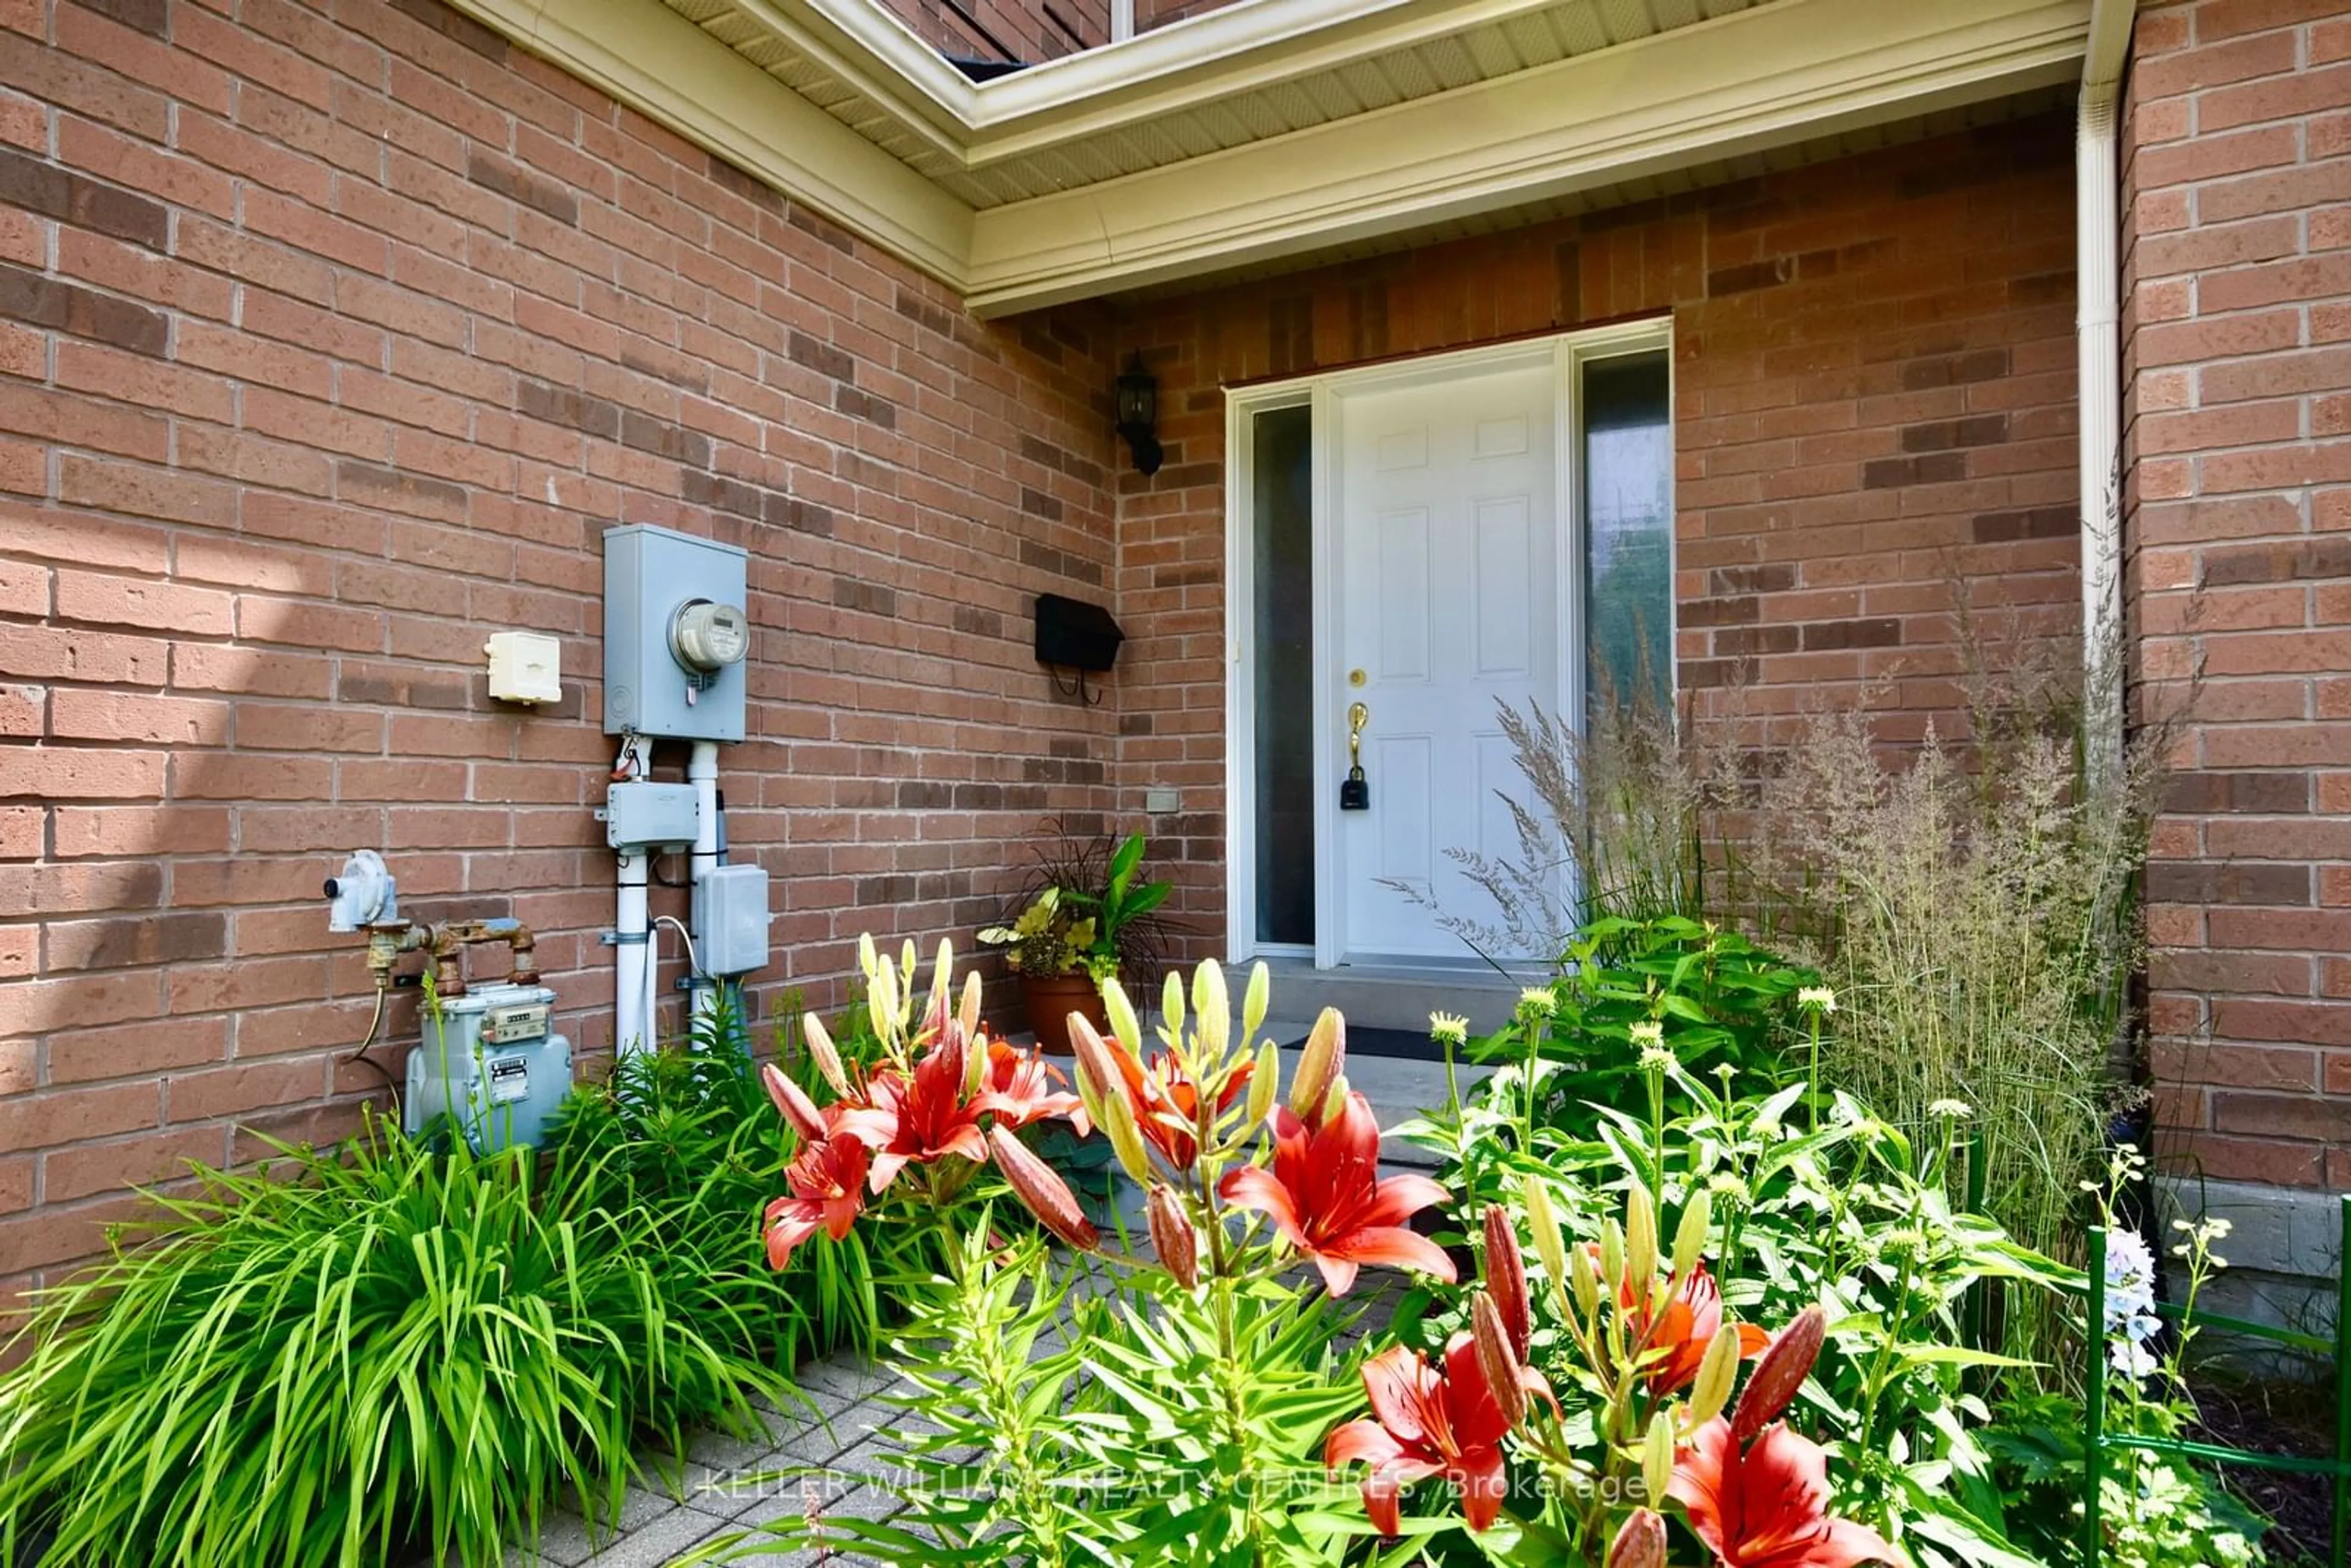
493 1063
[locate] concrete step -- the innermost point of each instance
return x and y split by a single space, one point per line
1394 996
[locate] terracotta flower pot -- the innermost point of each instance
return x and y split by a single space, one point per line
1051 998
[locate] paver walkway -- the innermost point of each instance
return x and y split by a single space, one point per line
729 1485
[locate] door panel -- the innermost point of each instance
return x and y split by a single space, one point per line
1446 524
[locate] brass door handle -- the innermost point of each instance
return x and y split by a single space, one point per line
1358 715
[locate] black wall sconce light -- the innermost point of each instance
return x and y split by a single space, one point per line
1138 415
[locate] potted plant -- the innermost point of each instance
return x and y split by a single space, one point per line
1085 919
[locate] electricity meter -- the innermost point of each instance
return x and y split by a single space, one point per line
707 637
677 634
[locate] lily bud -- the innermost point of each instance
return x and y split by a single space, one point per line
1786 1362
868 959
1658 1453
1042 1191
1090 1101
1171 1235
1170 1003
799 1111
1335 1101
882 1003
1506 1278
1496 1360
1689 1236
1322 1060
969 1014
1097 1069
1265 1082
1256 1000
1641 1543
1611 1258
1124 1026
1125 1137
1543 1220
1711 1389
974 1056
1585 1283
824 1053
942 985
1640 1238
1214 1004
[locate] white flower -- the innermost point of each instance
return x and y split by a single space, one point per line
2131 1322
1449 1028
1957 1110
1656 1058
1817 999
1648 1033
1538 1000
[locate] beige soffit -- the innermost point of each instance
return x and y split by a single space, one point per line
1004 189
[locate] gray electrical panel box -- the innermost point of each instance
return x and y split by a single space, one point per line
495 1066
639 815
678 632
732 919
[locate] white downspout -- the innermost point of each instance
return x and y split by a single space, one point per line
1122 20
2098 274
702 772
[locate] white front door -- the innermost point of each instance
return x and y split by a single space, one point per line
1450 599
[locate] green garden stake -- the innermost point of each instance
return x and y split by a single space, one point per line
2343 1389
2094 1402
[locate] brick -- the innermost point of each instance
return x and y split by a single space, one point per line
136 1051
73 1115
232 1091
96 1167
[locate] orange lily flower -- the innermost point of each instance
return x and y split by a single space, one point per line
1427 1422
1691 1317
1767 1507
923 1119
824 1178
1019 1087
1325 1198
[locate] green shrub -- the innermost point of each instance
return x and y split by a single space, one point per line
386 1348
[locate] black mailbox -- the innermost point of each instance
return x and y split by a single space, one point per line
1073 634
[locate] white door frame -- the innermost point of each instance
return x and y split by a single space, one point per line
1566 353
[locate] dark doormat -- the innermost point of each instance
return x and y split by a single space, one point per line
1413 1044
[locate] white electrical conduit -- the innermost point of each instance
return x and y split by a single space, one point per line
633 969
702 772
632 959
2097 272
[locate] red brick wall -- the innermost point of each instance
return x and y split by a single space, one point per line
1023 30
330 344
2238 317
1875 392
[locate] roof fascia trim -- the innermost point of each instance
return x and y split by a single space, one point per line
640 52
1765 78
